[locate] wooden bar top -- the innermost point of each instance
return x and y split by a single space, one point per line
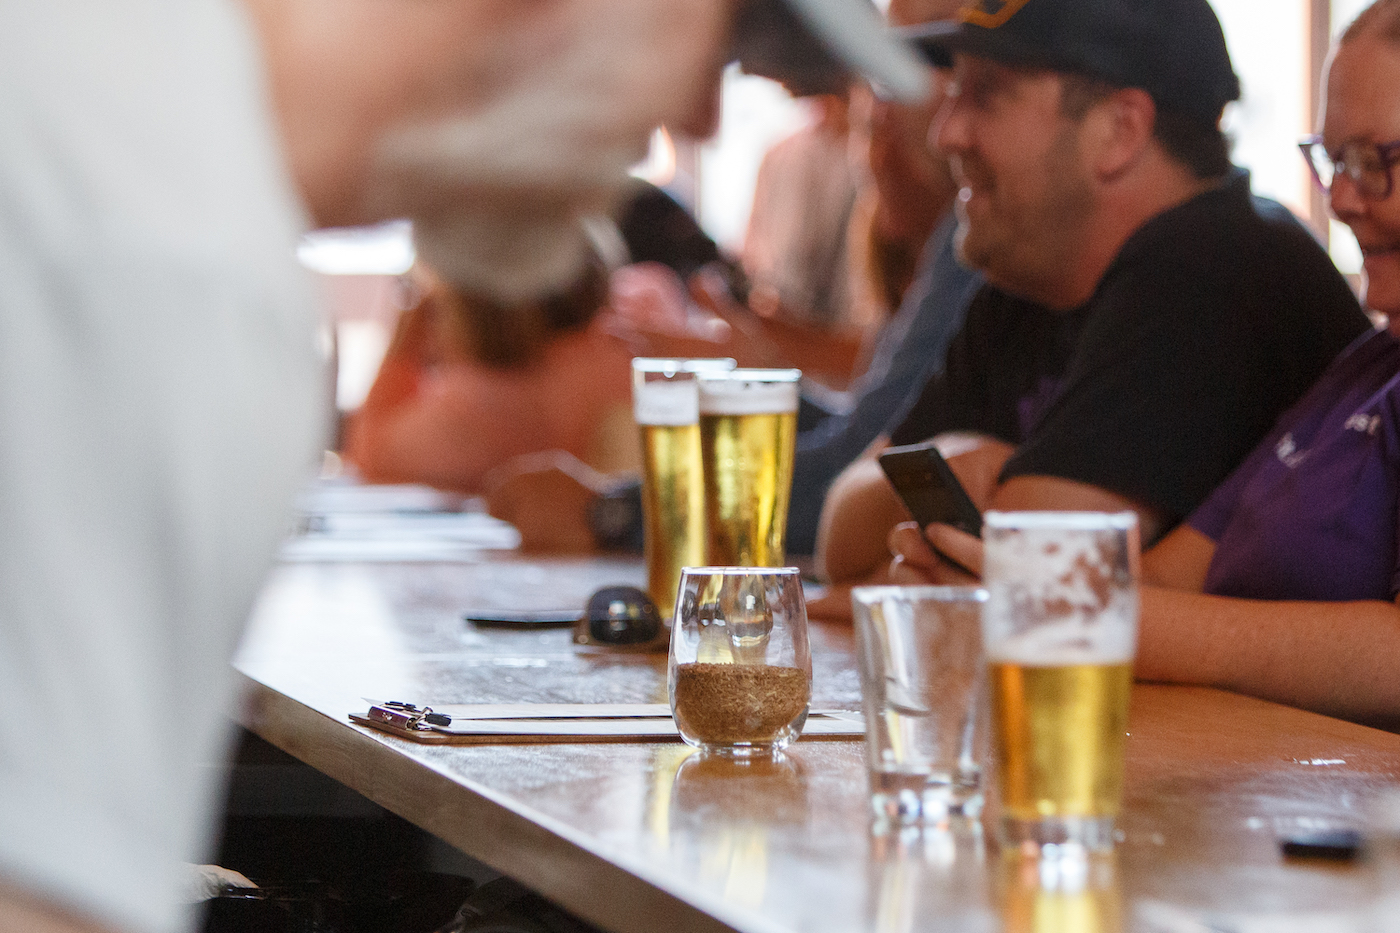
643 837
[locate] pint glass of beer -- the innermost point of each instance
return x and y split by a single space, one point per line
748 436
1060 632
666 405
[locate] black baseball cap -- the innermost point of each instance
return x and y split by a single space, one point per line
1172 49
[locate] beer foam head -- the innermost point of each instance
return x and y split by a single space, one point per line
664 390
750 392
1062 587
1065 644
666 402
643 366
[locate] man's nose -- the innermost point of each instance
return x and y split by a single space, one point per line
948 132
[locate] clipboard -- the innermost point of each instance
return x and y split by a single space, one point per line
556 723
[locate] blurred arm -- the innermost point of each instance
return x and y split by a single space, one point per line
1051 493
547 497
1179 561
777 339
1334 658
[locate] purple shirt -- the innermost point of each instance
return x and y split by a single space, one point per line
1312 512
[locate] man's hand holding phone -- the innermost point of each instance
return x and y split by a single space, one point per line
935 498
937 554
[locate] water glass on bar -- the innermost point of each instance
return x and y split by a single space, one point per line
1060 630
919 650
666 406
748 438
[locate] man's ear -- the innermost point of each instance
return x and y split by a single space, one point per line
1120 131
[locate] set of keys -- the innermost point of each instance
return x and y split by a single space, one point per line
408 716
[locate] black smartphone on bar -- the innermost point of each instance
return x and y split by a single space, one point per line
1334 845
523 618
928 488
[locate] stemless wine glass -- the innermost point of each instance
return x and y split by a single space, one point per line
740 672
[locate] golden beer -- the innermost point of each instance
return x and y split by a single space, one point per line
666 405
673 508
1059 734
1032 911
748 437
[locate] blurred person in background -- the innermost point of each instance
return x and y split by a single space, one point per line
1284 584
159 389
795 247
892 221
889 143
438 414
458 396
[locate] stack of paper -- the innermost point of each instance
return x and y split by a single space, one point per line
523 722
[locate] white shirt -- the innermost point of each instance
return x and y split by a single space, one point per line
160 399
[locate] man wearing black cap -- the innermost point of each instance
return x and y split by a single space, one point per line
1147 320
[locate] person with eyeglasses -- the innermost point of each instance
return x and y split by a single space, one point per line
1285 583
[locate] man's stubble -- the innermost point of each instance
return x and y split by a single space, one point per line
1026 248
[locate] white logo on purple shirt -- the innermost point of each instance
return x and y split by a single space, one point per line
1288 452
1366 424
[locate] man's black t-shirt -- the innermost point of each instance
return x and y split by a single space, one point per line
1003 370
1213 319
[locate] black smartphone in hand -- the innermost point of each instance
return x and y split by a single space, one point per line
929 489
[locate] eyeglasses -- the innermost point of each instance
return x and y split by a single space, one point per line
1370 167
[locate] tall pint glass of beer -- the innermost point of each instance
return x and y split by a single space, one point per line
748 436
666 405
1060 632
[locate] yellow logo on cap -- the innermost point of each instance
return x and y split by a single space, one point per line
990 13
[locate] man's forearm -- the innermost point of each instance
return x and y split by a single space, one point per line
860 510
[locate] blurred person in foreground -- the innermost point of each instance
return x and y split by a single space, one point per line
1146 320
1285 583
159 389
559 504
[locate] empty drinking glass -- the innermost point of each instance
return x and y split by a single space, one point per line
921 677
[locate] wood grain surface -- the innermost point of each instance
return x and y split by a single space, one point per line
643 837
